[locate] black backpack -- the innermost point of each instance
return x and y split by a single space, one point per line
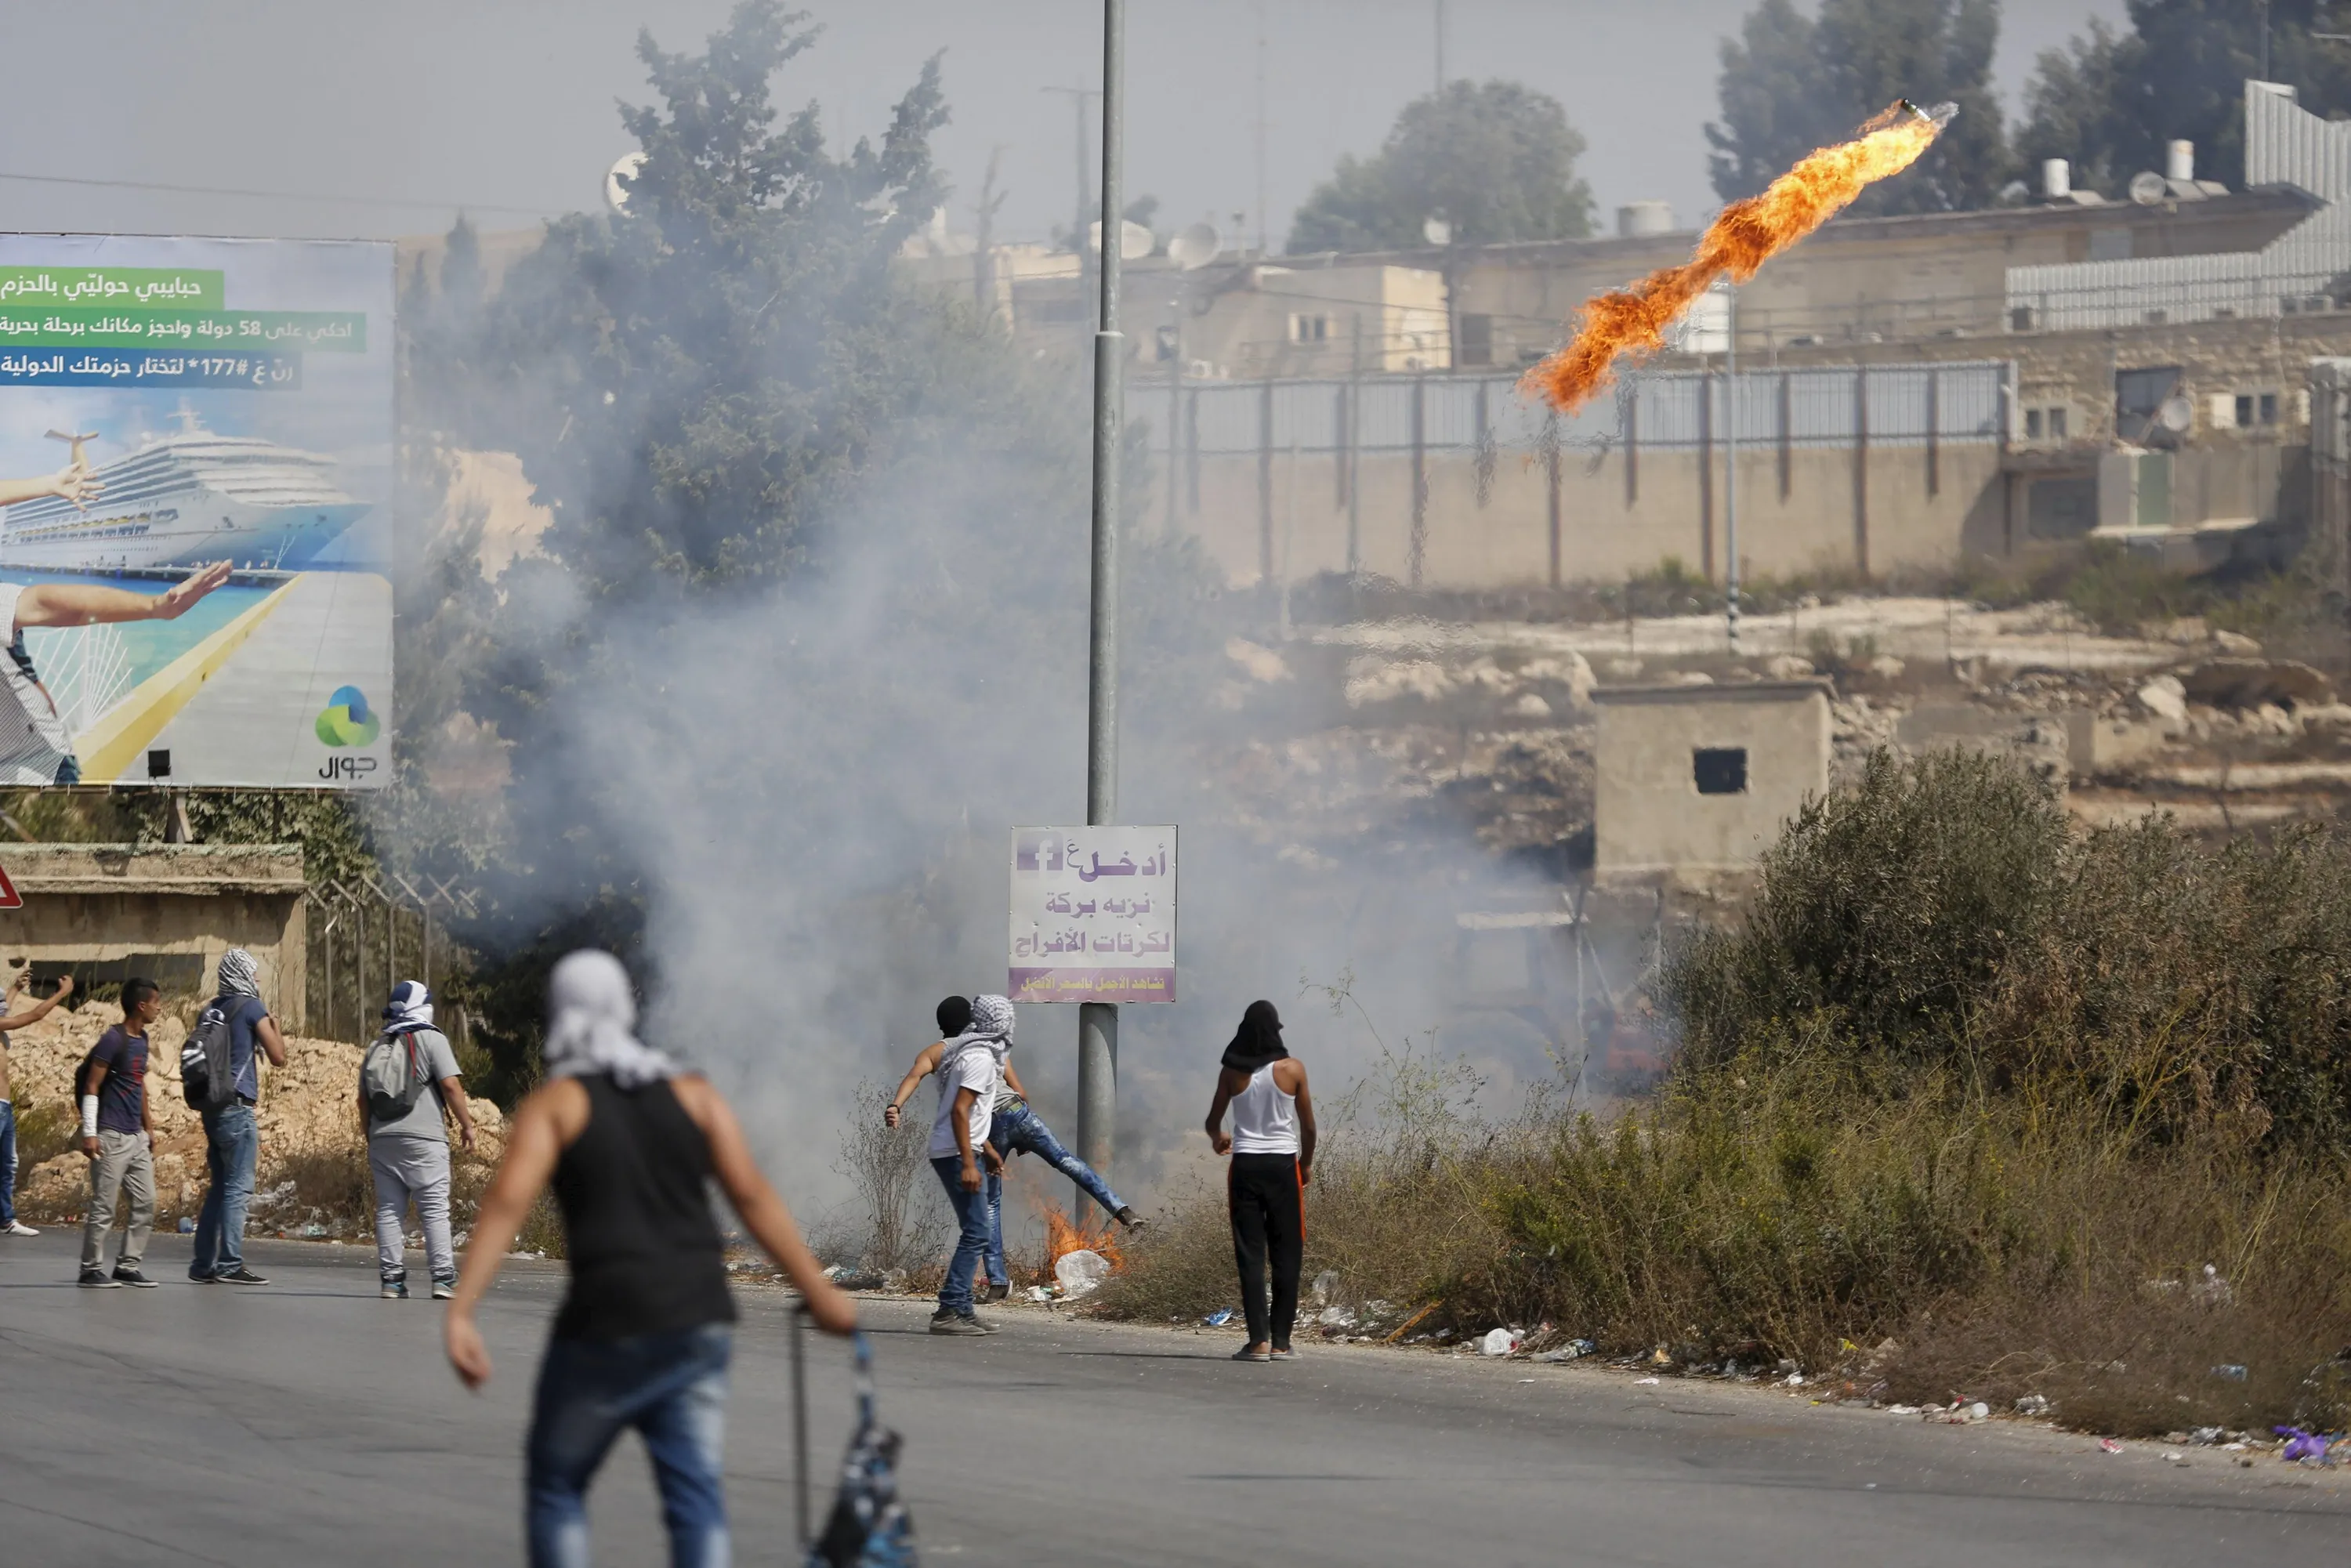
205 1076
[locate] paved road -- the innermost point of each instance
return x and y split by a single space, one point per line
309 1423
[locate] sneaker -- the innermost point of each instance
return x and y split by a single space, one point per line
1251 1352
1128 1218
18 1228
196 1279
128 1274
960 1323
444 1290
1002 1293
1283 1353
986 1325
96 1280
240 1275
394 1291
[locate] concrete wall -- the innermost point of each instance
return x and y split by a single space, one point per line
97 903
1814 509
1648 816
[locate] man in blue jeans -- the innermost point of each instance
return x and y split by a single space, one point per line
967 1096
1013 1129
9 1224
231 1141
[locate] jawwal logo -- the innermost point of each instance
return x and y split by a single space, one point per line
347 720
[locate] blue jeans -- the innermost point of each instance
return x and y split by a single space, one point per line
232 1144
1018 1130
671 1387
8 1164
971 1238
992 1194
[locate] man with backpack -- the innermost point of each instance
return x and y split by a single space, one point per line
118 1134
406 1080
223 1085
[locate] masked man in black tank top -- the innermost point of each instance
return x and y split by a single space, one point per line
1272 1150
642 1339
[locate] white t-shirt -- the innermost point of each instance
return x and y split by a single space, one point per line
974 1070
33 738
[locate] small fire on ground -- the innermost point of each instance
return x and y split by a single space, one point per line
1063 1237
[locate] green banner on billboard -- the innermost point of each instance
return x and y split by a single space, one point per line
279 332
113 287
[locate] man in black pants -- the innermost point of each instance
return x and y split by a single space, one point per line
1273 1149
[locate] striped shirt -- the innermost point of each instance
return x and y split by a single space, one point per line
34 744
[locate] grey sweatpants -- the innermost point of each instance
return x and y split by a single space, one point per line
124 1165
405 1169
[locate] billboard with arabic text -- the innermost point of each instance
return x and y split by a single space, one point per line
197 445
1094 914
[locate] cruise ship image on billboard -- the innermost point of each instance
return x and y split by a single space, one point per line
186 498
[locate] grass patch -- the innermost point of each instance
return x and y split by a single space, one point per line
1967 1106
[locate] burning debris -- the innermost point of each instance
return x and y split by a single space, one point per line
1738 243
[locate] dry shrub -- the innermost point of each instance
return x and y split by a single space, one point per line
1958 1080
1395 1207
1182 1267
904 1225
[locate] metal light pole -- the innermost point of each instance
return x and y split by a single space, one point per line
1098 1022
1731 459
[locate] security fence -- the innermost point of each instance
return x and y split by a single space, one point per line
368 933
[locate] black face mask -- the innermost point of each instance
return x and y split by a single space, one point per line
1258 1040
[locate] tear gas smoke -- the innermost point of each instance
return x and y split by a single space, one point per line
775 701
1738 243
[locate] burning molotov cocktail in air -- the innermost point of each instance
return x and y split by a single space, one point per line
1742 237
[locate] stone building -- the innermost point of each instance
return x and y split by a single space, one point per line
164 912
1697 780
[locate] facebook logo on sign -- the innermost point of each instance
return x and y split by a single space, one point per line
1038 851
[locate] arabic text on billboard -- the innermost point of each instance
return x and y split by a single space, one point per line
1094 914
195 480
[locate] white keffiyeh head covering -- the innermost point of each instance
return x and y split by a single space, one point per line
239 975
410 1008
591 1020
991 1026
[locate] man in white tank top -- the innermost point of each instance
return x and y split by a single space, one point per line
1272 1150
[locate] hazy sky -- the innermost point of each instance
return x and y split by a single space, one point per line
402 112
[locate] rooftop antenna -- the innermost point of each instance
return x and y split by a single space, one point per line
77 442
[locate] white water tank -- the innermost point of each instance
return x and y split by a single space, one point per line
2179 160
2056 179
1638 220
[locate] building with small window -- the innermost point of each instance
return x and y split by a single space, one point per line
108 913
1699 780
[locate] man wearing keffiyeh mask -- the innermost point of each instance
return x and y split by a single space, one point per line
408 1081
1014 1129
231 1141
630 1142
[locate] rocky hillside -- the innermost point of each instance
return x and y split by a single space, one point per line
308 1120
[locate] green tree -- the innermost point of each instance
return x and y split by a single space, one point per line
815 580
1791 83
2109 101
1496 160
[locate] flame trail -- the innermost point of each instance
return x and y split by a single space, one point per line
1738 242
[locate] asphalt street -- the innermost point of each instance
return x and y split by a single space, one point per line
309 1423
